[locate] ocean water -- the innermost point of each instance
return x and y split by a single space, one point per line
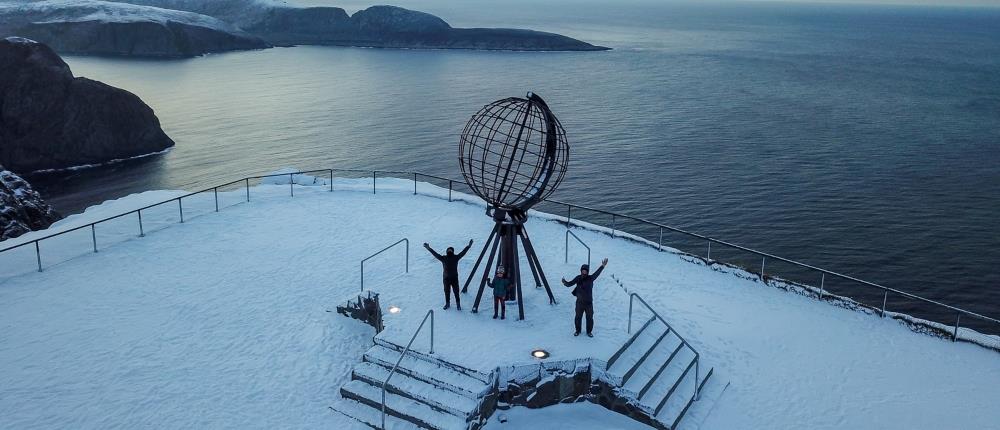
862 139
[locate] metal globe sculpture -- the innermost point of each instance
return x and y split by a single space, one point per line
513 154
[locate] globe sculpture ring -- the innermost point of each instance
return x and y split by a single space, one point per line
513 152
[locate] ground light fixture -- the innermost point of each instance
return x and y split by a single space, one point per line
540 354
394 309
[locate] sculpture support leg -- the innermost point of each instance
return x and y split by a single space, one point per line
486 246
517 276
489 265
529 249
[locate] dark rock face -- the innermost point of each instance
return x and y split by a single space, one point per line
21 208
109 28
51 120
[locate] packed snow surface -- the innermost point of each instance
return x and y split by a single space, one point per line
223 322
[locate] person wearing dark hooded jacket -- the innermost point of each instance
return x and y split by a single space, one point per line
449 263
584 293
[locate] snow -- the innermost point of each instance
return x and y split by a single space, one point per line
20 40
48 11
563 416
222 321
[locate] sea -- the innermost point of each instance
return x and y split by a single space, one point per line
860 138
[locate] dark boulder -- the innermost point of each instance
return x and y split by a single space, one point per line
51 120
21 208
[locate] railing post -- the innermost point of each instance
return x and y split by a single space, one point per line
822 280
709 256
180 208
569 213
762 260
954 337
38 256
631 297
373 181
362 276
613 224
659 243
567 247
216 192
697 372
432 330
93 236
291 182
141 232
248 188
408 257
331 180
414 183
449 189
885 297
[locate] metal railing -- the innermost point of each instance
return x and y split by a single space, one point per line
430 313
697 356
570 233
384 250
960 314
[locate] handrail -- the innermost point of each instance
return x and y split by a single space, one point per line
568 233
824 272
383 250
430 313
697 356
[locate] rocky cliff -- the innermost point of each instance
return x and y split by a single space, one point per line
281 24
21 208
52 120
108 28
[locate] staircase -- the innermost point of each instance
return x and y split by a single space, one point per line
659 370
424 393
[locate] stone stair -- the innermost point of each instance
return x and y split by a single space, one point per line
656 369
425 392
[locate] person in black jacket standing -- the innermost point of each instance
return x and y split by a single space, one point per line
450 263
584 293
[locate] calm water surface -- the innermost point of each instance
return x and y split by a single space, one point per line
861 139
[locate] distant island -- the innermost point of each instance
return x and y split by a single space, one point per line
186 28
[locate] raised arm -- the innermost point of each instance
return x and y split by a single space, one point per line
599 269
435 254
462 254
571 282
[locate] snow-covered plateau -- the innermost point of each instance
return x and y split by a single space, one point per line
224 320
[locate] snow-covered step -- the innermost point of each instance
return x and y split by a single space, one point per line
614 357
712 390
679 393
485 378
402 407
435 374
436 397
667 380
370 416
637 350
655 364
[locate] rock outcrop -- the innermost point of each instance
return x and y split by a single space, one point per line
52 120
377 26
108 28
21 208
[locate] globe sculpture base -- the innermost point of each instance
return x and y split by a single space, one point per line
507 234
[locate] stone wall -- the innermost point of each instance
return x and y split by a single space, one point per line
551 383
